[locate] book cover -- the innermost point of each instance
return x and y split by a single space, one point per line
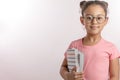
75 58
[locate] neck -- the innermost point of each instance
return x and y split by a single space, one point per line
91 39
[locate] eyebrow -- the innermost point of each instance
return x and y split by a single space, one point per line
95 15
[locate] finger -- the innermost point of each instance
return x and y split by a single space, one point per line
79 73
74 69
76 77
79 79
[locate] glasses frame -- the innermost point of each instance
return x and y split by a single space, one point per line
95 17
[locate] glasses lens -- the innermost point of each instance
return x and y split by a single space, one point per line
99 18
88 18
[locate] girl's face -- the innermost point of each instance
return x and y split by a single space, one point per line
94 19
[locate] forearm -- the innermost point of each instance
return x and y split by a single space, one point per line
114 78
114 69
63 72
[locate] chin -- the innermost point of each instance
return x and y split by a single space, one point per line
94 33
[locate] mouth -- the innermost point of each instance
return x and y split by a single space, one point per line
94 27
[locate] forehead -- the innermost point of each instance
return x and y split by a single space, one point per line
94 10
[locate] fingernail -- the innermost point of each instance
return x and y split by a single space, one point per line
75 76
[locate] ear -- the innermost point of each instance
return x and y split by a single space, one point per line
82 20
106 20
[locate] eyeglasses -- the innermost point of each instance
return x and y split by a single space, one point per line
99 18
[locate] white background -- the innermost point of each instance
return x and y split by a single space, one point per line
34 35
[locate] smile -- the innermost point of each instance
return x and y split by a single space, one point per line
94 27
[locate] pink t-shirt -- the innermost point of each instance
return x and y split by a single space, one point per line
96 58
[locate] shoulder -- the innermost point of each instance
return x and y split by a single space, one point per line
108 43
76 43
112 49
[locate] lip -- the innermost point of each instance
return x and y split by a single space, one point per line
94 27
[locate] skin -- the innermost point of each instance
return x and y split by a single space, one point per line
93 36
70 75
94 28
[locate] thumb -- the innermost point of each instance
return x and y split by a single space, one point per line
74 69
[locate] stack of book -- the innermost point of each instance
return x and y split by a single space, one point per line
75 58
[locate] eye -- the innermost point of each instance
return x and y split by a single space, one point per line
89 17
100 18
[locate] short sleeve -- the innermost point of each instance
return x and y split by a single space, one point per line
114 52
74 44
70 46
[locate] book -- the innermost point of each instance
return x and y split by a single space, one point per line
75 58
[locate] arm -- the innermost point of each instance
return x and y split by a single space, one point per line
64 69
114 69
66 75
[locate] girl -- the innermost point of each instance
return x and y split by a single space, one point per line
100 56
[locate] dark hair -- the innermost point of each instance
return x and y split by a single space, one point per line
85 4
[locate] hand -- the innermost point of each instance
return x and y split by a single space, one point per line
77 75
69 76
73 75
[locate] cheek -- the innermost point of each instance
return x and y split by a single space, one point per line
87 27
102 25
86 24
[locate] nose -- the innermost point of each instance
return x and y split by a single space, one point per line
94 20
